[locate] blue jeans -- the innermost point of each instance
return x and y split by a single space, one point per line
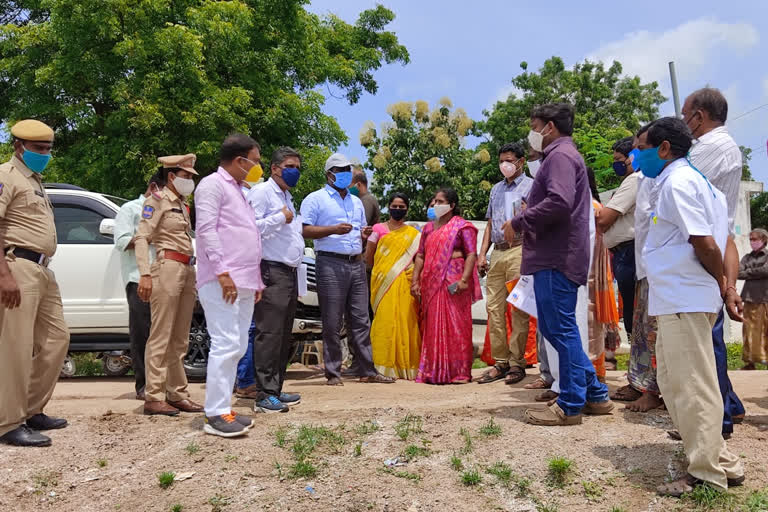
556 295
623 263
245 368
732 406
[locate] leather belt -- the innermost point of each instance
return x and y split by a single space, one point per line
33 256
346 257
504 246
271 263
179 256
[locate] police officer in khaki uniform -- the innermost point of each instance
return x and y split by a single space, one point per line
169 286
34 338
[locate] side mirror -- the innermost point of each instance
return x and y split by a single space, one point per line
107 227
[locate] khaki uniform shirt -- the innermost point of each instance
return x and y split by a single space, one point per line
623 201
165 224
26 214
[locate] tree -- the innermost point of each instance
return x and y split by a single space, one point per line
746 156
758 209
608 106
123 81
420 151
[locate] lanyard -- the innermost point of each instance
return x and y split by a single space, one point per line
688 159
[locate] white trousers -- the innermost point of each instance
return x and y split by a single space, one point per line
228 326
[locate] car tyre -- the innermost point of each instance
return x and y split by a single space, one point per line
115 366
196 360
69 368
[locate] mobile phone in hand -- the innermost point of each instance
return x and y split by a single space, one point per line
453 287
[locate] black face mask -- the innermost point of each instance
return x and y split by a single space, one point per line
398 214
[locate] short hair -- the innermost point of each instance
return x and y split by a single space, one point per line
673 130
163 172
593 184
760 231
158 179
712 101
282 154
624 146
561 115
513 147
400 195
452 197
360 177
643 129
237 145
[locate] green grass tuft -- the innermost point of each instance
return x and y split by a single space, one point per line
367 428
177 508
358 449
707 497
468 446
524 486
302 469
192 448
456 463
102 463
756 501
165 479
560 470
491 428
408 426
471 477
412 451
592 490
501 471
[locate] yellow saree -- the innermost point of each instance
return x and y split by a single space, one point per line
395 337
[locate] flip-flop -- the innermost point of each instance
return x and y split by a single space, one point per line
538 384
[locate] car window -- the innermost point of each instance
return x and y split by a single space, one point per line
78 225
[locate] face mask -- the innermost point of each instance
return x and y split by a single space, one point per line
354 191
442 209
508 169
35 161
688 123
756 245
253 174
533 166
343 180
536 140
291 176
431 213
398 213
155 191
184 186
620 168
633 159
651 164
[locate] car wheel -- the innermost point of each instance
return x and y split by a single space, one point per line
196 360
115 366
69 367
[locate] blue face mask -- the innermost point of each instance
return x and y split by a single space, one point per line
633 158
35 161
431 213
650 163
343 179
620 168
291 176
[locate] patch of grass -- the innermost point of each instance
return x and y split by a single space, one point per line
102 463
309 437
408 426
165 479
491 428
281 436
230 458
358 449
192 448
478 363
87 364
44 479
367 428
560 470
468 446
707 497
592 490
547 507
412 451
756 501
414 477
302 469
218 502
622 362
617 509
524 486
177 508
456 463
279 469
471 477
501 471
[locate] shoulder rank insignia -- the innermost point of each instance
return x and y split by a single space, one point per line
148 212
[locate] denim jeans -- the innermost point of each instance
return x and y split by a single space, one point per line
556 302
623 263
732 406
245 368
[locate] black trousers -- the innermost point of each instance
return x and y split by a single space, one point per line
139 322
273 319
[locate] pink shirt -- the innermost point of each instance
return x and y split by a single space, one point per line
228 239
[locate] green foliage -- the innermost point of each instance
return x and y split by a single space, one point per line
502 471
358 449
746 156
412 451
281 436
468 445
707 497
123 82
560 470
102 463
758 208
471 477
490 429
177 508
756 501
408 426
547 507
592 490
456 463
523 486
192 448
302 469
367 428
414 477
165 479
218 502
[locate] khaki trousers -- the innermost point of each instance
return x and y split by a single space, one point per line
755 333
505 266
687 378
34 340
172 303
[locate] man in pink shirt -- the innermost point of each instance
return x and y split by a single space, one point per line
228 277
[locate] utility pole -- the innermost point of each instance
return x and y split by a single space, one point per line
675 93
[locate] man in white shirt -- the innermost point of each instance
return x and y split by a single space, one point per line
684 256
717 156
282 247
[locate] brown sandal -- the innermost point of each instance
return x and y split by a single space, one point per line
487 378
515 375
538 384
626 394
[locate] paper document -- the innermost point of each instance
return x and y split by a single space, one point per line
522 296
512 205
301 272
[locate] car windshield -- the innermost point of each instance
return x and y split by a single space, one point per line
119 201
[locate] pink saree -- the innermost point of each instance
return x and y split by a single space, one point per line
446 320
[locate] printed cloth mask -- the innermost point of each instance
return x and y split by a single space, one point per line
35 161
291 176
442 209
398 213
533 166
431 213
633 159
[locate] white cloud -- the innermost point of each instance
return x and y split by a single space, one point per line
647 54
502 94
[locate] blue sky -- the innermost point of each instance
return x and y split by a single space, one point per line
469 51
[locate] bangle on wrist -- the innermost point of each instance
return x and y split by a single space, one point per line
731 287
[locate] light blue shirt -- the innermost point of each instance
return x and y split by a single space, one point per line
325 207
126 223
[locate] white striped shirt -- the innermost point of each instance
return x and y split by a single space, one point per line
718 157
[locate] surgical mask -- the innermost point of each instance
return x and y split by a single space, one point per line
343 179
508 169
620 168
291 176
533 166
442 209
35 161
184 186
651 164
536 140
398 213
431 213
756 245
354 191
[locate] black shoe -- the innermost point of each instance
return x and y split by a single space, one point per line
44 422
25 436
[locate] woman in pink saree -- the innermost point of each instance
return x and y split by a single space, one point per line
445 280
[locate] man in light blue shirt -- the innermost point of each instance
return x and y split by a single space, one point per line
335 219
139 316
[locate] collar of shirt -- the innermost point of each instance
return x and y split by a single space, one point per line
284 194
332 191
515 182
170 194
710 135
21 166
565 139
675 164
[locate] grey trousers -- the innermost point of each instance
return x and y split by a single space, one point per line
541 355
342 289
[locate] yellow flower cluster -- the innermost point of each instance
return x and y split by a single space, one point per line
463 122
379 161
433 164
422 111
441 136
446 102
483 156
486 185
367 133
436 116
400 111
386 152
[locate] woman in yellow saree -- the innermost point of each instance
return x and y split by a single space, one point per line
395 337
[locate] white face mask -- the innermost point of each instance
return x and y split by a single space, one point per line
536 140
184 186
533 166
508 169
442 209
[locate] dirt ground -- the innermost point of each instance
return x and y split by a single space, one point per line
110 456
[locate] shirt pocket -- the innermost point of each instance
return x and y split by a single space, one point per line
174 222
34 201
